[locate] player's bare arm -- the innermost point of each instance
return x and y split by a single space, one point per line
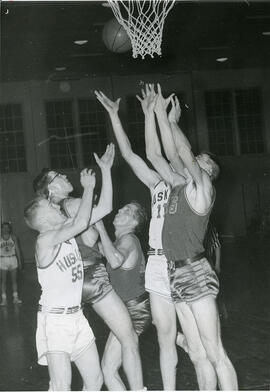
199 191
137 164
122 253
112 254
152 143
168 139
104 206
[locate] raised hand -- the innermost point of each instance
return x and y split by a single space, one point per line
88 178
161 102
175 112
112 107
106 160
148 100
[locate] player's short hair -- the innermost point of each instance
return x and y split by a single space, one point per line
140 215
215 167
41 182
30 212
6 224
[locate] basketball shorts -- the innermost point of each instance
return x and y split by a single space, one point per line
8 263
140 314
193 281
62 333
156 277
96 283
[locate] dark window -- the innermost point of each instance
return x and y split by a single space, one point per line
93 133
12 146
219 111
234 120
249 119
60 126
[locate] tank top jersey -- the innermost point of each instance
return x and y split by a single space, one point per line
61 281
184 229
7 247
129 283
159 198
88 253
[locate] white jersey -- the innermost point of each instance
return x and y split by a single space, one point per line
61 281
7 247
159 195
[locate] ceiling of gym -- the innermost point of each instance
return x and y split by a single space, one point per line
37 37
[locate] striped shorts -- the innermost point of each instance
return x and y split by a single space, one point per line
193 281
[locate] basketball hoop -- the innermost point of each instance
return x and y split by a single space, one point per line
143 21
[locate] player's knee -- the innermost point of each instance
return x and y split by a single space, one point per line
95 383
215 354
166 333
197 355
59 385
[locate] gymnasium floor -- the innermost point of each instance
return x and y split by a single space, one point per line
246 278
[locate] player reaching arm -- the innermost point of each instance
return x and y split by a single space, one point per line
142 171
149 101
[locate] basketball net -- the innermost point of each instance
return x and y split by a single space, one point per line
143 21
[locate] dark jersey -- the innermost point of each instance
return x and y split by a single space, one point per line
184 229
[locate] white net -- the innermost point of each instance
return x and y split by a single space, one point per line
144 22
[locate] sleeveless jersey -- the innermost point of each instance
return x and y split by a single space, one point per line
184 229
88 253
61 281
129 283
7 247
159 195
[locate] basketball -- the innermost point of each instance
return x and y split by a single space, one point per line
115 37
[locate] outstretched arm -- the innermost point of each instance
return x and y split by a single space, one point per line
152 143
104 206
166 131
137 164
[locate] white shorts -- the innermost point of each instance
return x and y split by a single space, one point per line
156 277
62 333
8 263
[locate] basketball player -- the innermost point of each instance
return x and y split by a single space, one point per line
10 260
126 266
97 289
63 333
194 285
156 276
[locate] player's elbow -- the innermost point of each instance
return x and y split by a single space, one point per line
81 224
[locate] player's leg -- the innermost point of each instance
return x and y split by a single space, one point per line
16 299
59 371
207 319
111 362
206 375
4 286
164 319
113 311
89 368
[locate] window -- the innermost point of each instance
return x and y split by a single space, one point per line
219 111
12 147
93 132
234 121
249 120
60 127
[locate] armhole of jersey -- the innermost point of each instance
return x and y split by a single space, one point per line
139 244
53 260
196 212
